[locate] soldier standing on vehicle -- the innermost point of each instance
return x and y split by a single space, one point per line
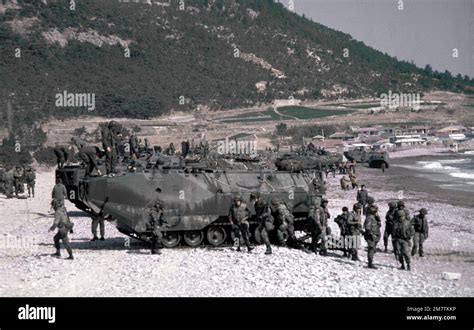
389 224
238 217
64 226
133 142
110 137
354 229
157 223
341 221
30 177
62 154
420 224
372 226
264 219
403 233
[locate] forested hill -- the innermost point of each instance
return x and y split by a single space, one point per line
144 59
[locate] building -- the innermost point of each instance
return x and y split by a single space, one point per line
342 136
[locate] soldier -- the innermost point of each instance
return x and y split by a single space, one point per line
317 223
88 155
30 177
341 221
133 142
345 183
238 217
284 223
18 180
354 229
362 197
401 206
420 224
403 233
110 135
8 185
62 154
372 226
316 188
59 192
264 219
157 223
353 179
389 223
64 225
98 221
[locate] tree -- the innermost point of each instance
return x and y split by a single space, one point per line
281 129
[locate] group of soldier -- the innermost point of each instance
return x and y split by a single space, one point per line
13 181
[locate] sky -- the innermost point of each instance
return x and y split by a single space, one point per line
424 31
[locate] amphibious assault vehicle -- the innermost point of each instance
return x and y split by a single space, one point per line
376 159
195 197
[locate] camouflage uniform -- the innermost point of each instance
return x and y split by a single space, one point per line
341 221
238 216
64 226
98 221
8 177
389 223
372 235
88 155
62 155
157 223
264 219
284 223
30 177
134 146
354 229
420 225
18 180
59 192
403 233
317 223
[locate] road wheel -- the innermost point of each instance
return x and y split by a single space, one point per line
216 235
171 239
193 237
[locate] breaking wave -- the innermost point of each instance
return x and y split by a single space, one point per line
462 175
435 166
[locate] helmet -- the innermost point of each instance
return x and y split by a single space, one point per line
255 195
424 211
357 206
315 200
400 203
401 214
370 200
237 198
275 201
392 204
345 209
373 209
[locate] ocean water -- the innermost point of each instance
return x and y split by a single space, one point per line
452 173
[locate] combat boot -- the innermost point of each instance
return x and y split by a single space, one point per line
386 250
371 265
269 250
70 257
238 249
95 239
57 254
102 238
408 266
249 248
403 266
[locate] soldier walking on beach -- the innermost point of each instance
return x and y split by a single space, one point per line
98 221
362 197
238 216
341 221
30 177
18 176
317 223
403 233
389 223
354 228
157 223
284 223
264 219
372 235
64 226
420 224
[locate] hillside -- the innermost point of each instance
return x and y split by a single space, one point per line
204 55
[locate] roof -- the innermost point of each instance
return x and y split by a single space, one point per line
452 128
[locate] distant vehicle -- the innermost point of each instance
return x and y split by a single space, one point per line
375 159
